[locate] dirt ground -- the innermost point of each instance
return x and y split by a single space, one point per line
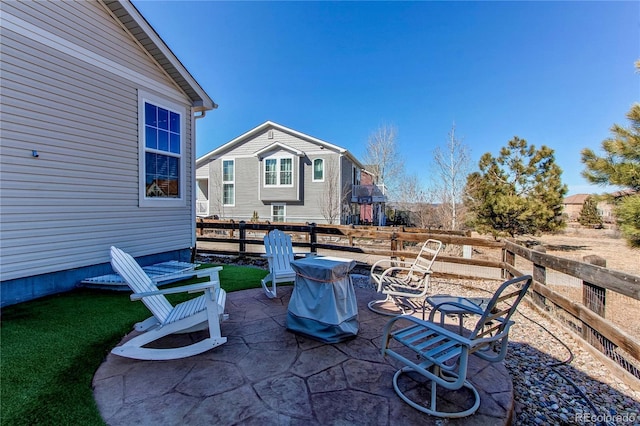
575 243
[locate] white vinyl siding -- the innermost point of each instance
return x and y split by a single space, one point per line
65 208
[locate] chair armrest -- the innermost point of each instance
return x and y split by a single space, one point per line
402 268
208 271
469 343
389 261
461 306
182 289
427 325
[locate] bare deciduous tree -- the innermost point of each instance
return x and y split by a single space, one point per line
217 206
416 199
331 201
382 157
452 167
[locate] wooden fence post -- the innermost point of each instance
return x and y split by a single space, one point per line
539 271
539 275
242 244
508 257
394 244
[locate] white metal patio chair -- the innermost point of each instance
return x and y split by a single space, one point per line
200 313
279 252
441 356
401 281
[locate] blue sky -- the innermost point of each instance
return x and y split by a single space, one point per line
554 73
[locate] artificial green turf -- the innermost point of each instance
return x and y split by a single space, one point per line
51 347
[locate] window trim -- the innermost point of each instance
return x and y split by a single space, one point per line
143 200
284 208
231 182
278 183
313 170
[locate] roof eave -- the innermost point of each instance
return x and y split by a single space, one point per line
144 33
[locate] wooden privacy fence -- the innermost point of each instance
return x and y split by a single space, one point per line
245 239
583 296
603 307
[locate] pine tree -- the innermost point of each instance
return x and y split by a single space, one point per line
620 165
589 214
519 192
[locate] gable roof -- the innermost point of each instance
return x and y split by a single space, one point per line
136 25
278 146
270 124
575 199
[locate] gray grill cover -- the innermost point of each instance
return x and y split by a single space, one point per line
323 303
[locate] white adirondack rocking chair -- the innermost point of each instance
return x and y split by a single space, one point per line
199 313
279 253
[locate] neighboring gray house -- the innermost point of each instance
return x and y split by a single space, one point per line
97 144
278 174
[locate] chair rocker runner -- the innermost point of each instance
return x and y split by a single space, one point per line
279 252
400 280
201 313
441 356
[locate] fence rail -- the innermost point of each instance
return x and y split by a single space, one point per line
585 316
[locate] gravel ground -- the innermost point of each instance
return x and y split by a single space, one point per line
556 381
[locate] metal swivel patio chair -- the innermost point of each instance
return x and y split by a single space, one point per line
402 281
441 356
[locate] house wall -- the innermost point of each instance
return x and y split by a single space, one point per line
303 202
572 211
70 81
350 175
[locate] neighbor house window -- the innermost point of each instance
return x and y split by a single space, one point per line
318 170
162 153
278 213
270 171
228 183
278 171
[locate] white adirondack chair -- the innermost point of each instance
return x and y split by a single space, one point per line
199 313
279 252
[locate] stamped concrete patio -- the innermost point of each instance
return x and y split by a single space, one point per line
266 375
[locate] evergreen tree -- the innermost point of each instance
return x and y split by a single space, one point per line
519 192
589 214
620 165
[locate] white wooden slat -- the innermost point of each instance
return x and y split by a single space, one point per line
140 282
